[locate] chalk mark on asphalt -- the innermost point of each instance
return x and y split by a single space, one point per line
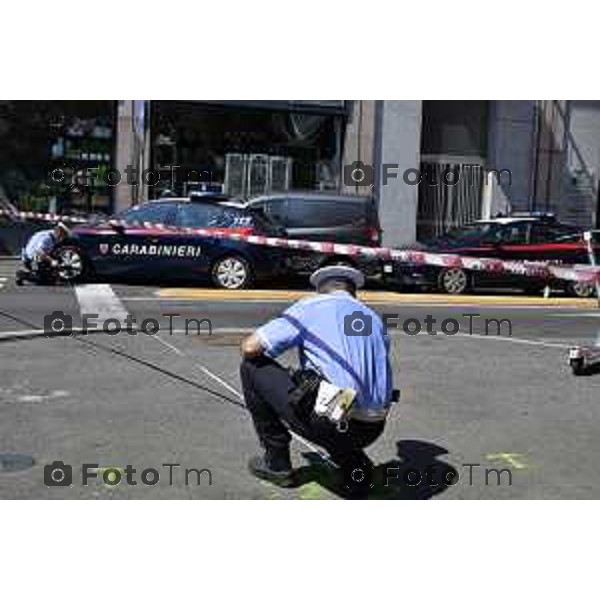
514 459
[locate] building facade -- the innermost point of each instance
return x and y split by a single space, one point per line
430 165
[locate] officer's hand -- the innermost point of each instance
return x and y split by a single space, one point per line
251 346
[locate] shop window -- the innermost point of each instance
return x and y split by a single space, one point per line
48 150
455 128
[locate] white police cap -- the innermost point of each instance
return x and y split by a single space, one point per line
337 272
63 227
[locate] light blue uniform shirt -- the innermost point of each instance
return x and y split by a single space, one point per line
42 241
317 325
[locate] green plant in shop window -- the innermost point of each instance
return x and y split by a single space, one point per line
99 179
36 199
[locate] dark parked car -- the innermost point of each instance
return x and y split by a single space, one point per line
532 238
342 219
130 250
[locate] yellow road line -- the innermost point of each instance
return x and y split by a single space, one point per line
209 294
375 297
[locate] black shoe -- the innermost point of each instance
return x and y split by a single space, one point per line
259 468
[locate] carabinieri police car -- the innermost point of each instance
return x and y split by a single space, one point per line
124 248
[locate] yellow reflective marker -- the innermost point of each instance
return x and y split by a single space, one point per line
512 458
312 491
112 477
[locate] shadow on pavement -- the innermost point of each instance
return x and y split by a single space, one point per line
417 474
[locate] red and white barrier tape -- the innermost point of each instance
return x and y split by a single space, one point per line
50 217
540 270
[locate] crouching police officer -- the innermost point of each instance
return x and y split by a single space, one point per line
39 265
340 341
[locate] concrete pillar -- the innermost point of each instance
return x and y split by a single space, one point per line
359 140
398 142
512 130
123 194
550 160
132 148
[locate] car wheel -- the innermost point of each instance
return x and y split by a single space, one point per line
453 281
231 273
72 264
582 290
578 367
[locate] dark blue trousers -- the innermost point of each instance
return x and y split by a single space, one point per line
266 386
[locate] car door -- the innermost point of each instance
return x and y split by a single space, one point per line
199 250
557 242
514 241
136 247
513 244
328 220
276 209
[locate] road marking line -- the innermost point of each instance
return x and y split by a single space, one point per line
514 340
202 368
24 333
574 315
240 396
512 307
100 299
395 332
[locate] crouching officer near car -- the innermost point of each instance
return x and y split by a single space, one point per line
39 265
340 397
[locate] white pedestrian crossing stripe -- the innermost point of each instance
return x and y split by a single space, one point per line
101 300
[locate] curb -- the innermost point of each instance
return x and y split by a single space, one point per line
378 297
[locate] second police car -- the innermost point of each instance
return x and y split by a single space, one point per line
530 237
135 245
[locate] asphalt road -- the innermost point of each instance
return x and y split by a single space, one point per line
506 401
